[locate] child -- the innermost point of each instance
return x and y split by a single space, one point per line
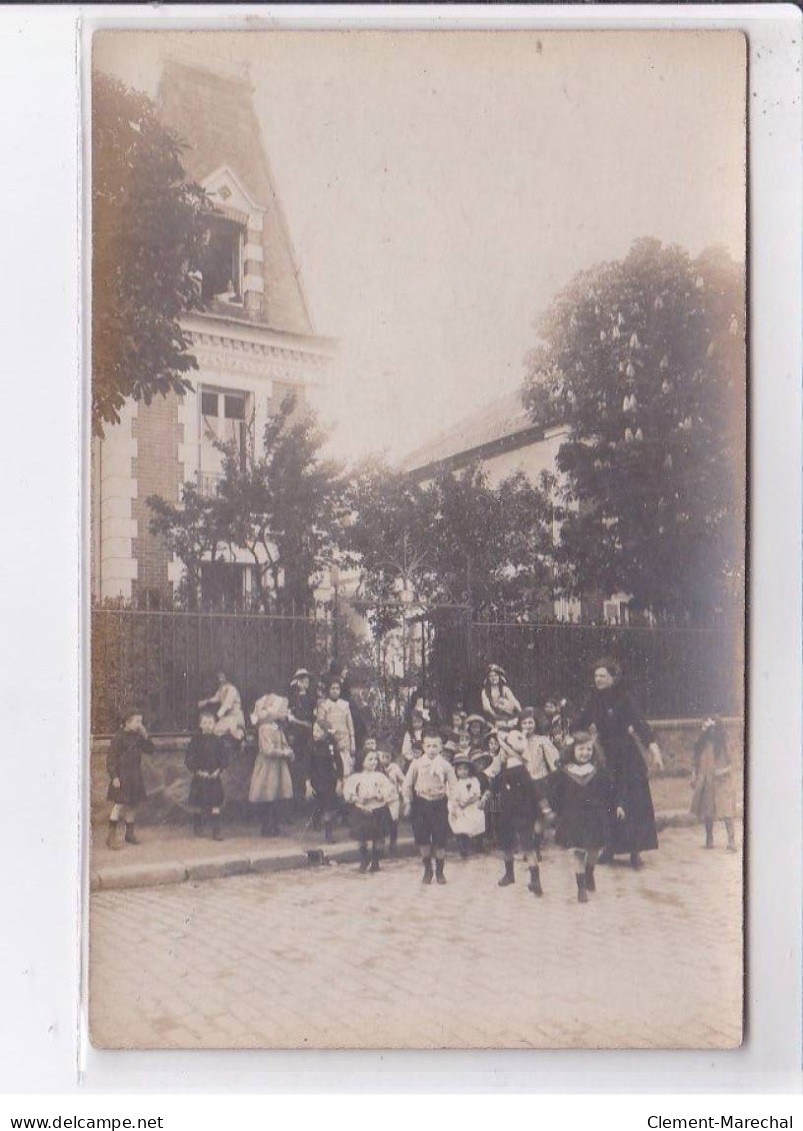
413 741
368 747
583 791
271 783
463 745
326 778
427 785
499 703
466 818
206 758
126 784
712 781
542 761
478 731
459 721
481 761
513 786
229 717
396 777
452 747
334 715
370 793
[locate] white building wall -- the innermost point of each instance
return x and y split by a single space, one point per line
113 521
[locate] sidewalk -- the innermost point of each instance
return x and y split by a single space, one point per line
170 854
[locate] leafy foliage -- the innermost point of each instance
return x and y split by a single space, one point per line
645 359
283 507
457 540
149 228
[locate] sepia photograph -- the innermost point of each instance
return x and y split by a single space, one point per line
416 532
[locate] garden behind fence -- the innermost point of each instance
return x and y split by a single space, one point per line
165 662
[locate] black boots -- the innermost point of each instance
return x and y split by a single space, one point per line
591 884
509 876
363 858
462 844
374 859
130 836
582 888
217 833
427 876
439 876
198 825
636 861
535 880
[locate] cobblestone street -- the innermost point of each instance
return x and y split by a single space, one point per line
331 958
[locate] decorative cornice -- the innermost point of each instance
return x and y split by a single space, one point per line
259 359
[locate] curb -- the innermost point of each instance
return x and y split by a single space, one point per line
125 876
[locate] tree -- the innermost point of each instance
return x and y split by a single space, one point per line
459 539
148 227
644 359
192 530
282 507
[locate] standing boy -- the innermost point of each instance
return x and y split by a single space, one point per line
126 785
427 785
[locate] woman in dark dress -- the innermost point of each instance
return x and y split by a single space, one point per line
623 734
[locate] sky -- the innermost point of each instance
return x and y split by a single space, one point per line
440 188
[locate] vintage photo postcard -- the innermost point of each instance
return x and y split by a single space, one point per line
417 520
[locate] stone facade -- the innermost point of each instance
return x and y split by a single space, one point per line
253 345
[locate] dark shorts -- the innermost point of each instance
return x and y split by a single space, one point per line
430 821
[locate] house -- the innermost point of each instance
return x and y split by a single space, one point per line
254 342
503 438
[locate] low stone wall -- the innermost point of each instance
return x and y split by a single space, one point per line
167 780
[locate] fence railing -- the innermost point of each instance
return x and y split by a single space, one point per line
675 672
166 661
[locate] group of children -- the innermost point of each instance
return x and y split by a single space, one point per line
508 779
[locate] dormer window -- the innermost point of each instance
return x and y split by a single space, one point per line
222 261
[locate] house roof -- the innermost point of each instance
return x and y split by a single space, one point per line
214 115
500 425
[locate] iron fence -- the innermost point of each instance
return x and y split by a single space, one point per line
166 661
675 672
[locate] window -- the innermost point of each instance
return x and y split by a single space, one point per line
224 420
221 261
225 587
234 407
209 404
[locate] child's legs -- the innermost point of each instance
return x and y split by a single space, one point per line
579 858
117 812
592 856
129 814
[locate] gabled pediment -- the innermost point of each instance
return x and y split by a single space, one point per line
227 191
